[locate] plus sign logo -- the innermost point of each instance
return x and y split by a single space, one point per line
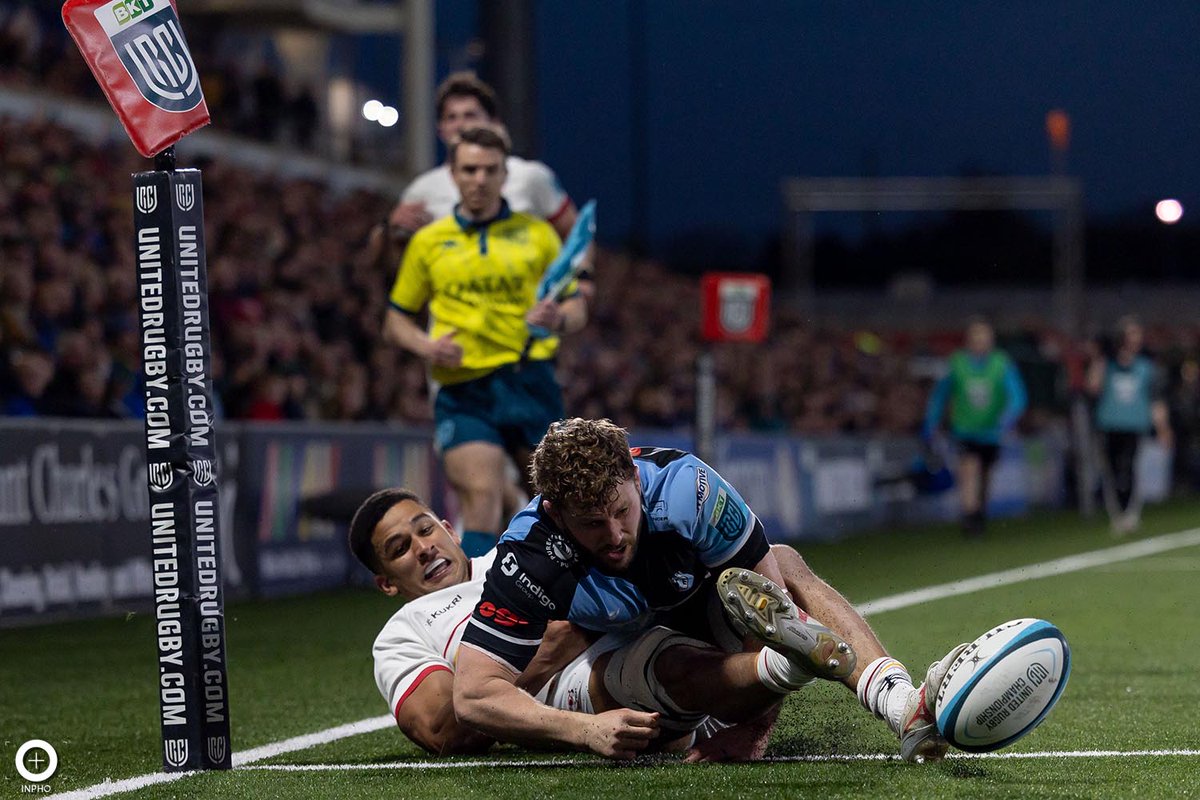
36 761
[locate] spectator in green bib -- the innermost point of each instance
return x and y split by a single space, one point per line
986 397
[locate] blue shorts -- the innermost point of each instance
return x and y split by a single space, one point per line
511 407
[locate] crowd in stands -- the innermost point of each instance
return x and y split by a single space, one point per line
297 301
251 101
296 304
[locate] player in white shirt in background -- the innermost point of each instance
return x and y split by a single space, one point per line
415 556
464 101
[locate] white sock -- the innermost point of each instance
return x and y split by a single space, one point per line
884 689
779 673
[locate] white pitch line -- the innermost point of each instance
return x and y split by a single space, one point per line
1046 569
1059 566
807 759
240 759
109 786
312 739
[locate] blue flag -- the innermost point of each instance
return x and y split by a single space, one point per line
570 258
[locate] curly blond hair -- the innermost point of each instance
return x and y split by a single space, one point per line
580 462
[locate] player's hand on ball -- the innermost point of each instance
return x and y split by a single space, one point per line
620 734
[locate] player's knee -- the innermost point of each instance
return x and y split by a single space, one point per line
482 510
632 678
479 491
678 663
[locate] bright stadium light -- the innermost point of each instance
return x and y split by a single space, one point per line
1168 211
371 110
388 116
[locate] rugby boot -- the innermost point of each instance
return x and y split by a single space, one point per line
920 740
759 608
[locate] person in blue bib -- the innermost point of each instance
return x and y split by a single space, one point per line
986 397
1130 404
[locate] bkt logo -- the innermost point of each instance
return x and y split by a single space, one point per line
128 10
152 48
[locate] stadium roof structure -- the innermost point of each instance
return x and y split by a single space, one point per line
412 20
1060 194
352 16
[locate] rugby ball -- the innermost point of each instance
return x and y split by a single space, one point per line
1003 685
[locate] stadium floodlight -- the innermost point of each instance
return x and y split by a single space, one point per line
1168 211
388 116
371 110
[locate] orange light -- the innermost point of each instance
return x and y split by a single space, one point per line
1058 128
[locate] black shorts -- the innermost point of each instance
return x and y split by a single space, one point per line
987 453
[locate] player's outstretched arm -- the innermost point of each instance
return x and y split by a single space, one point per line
427 718
485 697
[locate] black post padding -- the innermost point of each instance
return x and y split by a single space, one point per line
178 679
200 447
181 469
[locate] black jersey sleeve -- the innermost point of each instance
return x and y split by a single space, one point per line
523 591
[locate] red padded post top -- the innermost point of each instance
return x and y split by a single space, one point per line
137 52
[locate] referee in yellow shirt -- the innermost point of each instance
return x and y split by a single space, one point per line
478 271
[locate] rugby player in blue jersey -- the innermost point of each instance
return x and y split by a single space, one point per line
631 543
416 557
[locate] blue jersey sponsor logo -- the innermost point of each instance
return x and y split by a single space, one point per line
727 518
701 489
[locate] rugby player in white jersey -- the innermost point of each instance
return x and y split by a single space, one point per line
629 692
464 101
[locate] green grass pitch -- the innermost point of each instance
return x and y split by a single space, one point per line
302 665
